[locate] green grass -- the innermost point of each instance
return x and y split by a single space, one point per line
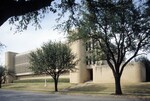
141 90
93 89
36 87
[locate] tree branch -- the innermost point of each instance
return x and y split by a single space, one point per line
9 8
134 55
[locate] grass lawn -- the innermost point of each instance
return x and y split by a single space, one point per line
36 87
141 90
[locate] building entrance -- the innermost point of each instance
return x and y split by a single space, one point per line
90 74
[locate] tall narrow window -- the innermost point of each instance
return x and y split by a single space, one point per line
86 46
94 60
90 60
87 60
89 45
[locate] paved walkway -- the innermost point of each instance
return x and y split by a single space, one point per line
10 95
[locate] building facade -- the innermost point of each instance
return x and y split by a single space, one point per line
87 68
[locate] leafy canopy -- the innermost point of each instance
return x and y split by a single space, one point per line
53 59
2 71
2 75
120 27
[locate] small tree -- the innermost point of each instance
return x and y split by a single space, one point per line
2 75
53 59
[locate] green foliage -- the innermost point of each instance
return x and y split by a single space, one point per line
2 74
127 31
32 18
2 71
52 59
35 16
121 28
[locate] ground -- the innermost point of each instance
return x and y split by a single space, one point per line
132 90
11 95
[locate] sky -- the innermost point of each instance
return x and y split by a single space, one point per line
29 39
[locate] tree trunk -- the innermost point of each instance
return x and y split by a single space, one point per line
118 90
56 84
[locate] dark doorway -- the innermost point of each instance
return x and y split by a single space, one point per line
90 74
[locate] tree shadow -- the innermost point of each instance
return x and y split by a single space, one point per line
139 90
87 88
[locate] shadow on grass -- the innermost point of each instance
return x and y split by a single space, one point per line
91 88
18 87
141 90
12 86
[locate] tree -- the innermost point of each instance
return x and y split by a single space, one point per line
53 59
25 12
121 27
32 11
2 75
10 8
2 69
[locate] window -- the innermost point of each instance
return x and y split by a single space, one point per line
87 60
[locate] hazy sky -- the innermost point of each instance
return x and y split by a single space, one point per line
29 39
